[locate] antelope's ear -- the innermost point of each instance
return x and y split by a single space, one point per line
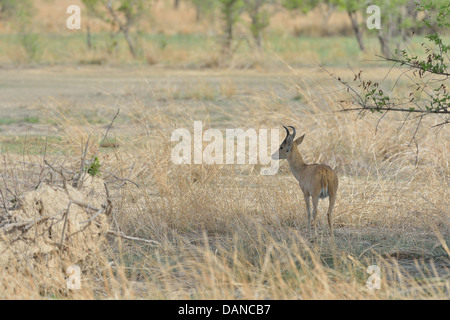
299 140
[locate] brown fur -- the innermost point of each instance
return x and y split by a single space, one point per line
315 180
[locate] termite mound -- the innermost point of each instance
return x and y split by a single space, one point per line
53 228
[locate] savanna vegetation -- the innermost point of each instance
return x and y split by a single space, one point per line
86 124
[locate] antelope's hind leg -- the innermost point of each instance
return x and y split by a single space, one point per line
332 199
315 201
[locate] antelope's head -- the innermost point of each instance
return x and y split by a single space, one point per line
287 145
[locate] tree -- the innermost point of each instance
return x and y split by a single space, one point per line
7 7
398 20
260 18
305 6
203 7
19 13
354 8
18 10
302 5
121 14
231 10
428 76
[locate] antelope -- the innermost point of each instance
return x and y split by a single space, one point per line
316 180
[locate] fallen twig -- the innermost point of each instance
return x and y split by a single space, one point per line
94 216
65 222
122 235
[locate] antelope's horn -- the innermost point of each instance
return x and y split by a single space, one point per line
287 131
295 132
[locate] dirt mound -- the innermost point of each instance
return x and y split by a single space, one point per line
53 229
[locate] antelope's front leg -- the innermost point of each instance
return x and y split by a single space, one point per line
308 211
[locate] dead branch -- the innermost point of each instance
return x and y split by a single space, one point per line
124 236
61 174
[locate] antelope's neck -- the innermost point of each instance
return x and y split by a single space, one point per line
296 161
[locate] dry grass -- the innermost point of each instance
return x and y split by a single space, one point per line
226 232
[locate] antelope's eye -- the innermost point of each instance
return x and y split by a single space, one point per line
281 148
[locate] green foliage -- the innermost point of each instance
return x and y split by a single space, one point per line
16 10
19 13
428 78
350 5
27 119
106 9
398 14
436 59
261 22
133 9
31 43
230 10
7 8
302 5
398 20
91 4
204 6
260 18
372 93
121 14
94 168
436 13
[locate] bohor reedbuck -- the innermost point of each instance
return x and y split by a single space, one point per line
316 180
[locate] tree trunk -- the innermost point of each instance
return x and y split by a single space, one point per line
229 25
228 35
130 43
88 37
356 28
259 40
198 13
384 43
385 37
123 27
329 12
256 33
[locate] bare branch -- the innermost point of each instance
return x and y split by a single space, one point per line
124 236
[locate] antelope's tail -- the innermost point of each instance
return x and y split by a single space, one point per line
324 189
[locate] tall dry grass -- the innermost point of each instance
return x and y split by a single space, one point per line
226 232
